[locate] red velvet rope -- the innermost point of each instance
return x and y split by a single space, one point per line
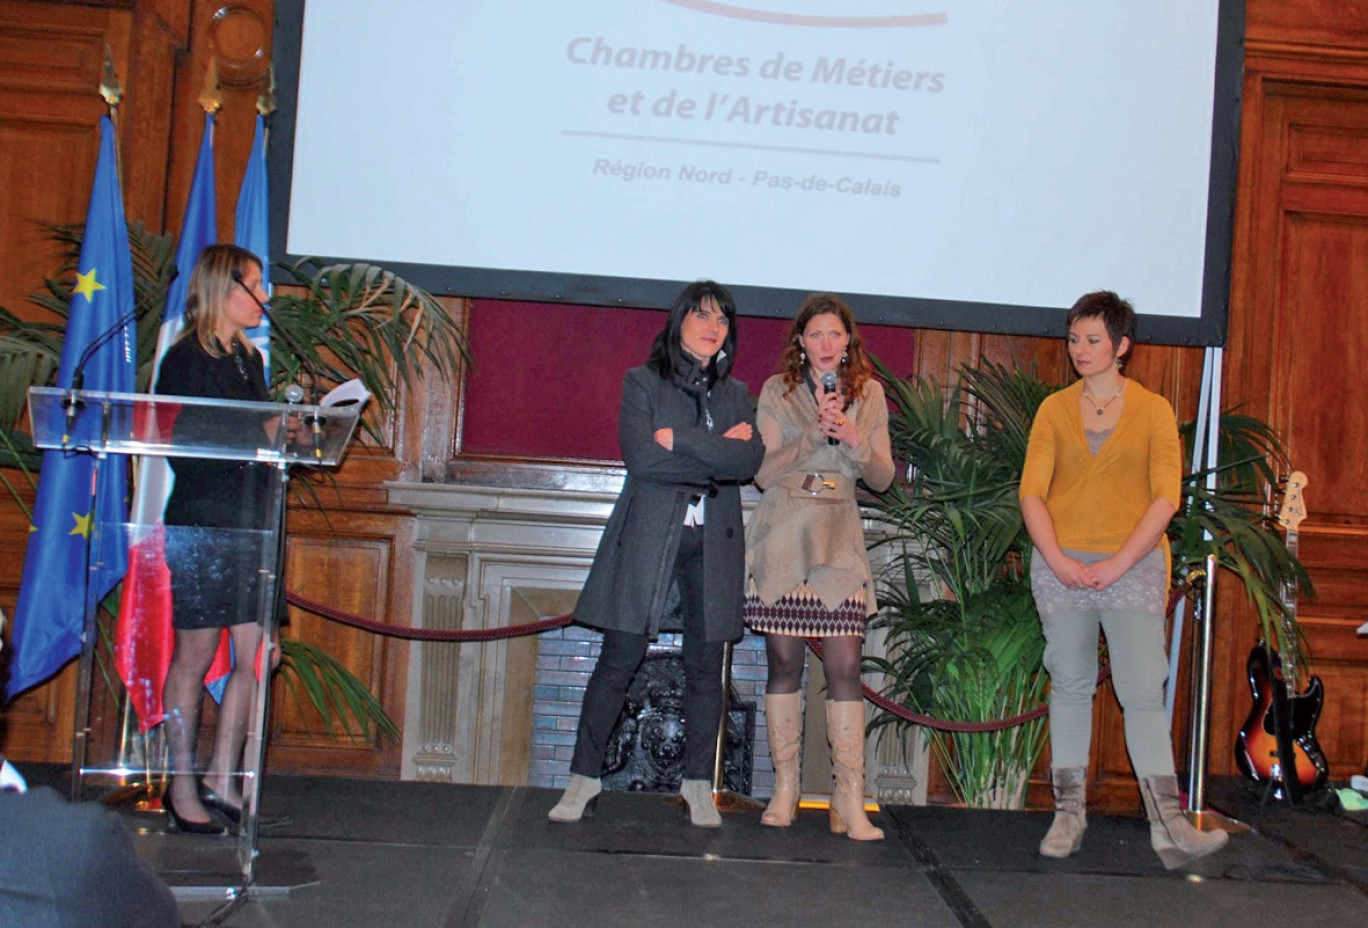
561 621
427 634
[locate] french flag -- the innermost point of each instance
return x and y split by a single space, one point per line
144 637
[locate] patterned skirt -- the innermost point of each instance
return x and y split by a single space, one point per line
802 613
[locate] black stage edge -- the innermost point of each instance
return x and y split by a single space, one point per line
395 854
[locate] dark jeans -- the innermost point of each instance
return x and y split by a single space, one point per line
621 656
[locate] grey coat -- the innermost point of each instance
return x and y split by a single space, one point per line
629 585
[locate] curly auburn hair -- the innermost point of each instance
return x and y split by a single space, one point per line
855 370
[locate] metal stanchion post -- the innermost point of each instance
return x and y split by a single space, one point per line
1205 613
725 799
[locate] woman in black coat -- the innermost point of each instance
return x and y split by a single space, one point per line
688 439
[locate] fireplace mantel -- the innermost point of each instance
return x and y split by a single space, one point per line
516 548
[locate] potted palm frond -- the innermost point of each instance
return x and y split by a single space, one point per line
330 323
964 641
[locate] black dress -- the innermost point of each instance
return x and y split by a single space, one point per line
218 517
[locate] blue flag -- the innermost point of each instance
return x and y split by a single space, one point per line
199 230
74 511
252 230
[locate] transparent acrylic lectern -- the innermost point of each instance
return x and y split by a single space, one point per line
113 744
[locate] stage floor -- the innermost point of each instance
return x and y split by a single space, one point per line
421 854
412 855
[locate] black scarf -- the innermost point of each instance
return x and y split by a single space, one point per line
696 380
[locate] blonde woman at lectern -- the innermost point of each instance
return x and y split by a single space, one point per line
1100 484
213 507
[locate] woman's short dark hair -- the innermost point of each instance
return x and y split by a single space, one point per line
1117 315
667 352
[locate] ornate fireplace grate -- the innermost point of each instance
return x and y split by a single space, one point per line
646 750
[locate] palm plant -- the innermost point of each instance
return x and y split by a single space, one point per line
1236 523
337 322
964 642
964 639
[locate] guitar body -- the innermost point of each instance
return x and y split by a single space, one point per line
1256 746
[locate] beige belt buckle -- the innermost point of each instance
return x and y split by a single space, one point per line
815 483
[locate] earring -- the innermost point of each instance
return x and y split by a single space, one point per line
845 358
802 356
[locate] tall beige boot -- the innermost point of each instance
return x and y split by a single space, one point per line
845 732
1071 812
784 722
1171 834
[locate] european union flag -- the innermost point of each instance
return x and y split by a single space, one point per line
71 511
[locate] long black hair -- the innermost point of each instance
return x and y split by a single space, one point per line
667 356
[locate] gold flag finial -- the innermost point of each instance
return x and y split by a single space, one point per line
266 103
109 81
210 98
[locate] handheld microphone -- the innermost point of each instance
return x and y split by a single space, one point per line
829 385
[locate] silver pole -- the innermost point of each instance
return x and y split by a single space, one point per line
1180 610
1201 694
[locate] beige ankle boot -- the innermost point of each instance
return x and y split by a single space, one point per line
784 722
845 731
579 797
1171 834
698 796
1071 812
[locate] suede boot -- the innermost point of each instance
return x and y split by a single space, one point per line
698 797
845 732
784 722
1071 812
1171 834
579 799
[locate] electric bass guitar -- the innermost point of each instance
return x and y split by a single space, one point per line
1277 744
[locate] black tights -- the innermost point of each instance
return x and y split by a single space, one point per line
840 661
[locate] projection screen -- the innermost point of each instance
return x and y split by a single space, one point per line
961 165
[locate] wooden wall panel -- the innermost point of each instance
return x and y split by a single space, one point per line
1298 305
50 61
1301 25
358 564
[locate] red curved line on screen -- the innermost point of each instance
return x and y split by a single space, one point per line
799 19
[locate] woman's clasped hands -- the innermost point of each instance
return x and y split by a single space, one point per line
831 418
1077 575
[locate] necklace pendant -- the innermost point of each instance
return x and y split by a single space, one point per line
1099 412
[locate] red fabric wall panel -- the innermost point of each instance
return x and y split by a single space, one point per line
547 378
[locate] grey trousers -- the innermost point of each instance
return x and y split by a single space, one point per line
1139 666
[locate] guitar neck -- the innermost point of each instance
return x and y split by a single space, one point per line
1290 651
1290 517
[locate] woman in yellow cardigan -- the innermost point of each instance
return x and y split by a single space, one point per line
1100 484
